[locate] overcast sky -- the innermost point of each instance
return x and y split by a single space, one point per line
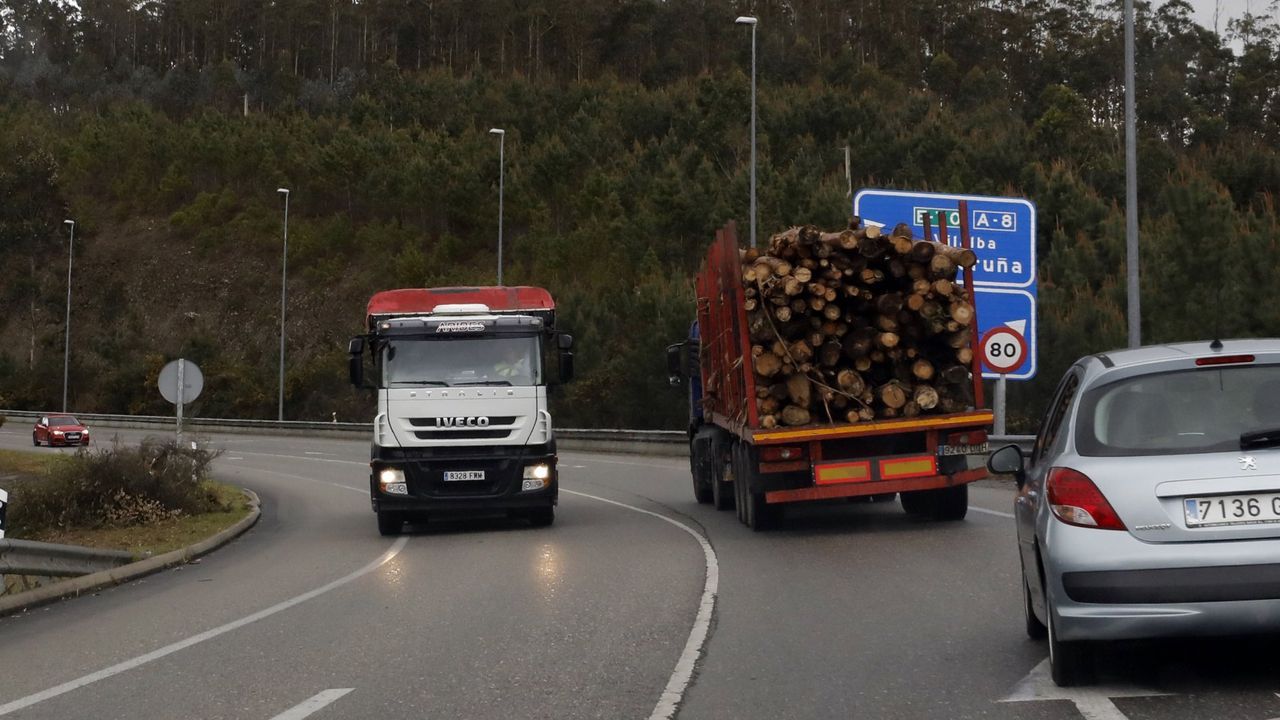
1227 9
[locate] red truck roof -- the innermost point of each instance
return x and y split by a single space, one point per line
424 300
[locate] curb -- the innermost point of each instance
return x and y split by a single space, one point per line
125 573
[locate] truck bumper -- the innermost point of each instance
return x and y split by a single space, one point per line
875 487
428 491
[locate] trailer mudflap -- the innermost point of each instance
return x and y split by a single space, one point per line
871 486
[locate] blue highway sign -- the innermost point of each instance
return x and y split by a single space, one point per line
1002 233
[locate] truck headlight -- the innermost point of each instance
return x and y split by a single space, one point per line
536 477
392 481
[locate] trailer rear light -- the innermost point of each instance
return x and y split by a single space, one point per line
777 454
1224 360
1075 500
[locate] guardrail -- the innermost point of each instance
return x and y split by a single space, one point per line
26 557
645 442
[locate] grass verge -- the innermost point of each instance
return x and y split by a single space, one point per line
29 470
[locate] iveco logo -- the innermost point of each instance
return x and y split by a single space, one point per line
1248 463
479 421
460 326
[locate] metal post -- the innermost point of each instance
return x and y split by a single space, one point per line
502 145
182 366
66 343
1000 405
284 296
1131 186
754 242
752 21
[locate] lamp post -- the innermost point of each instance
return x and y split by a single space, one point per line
502 142
749 20
284 288
66 344
1131 187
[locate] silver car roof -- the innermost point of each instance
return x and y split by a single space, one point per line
1160 354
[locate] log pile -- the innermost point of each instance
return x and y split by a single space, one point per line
857 325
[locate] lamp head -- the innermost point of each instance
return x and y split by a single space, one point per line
283 190
746 20
69 222
497 131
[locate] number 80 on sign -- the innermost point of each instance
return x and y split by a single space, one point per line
1003 349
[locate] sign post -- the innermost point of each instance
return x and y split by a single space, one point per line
1002 349
4 506
180 383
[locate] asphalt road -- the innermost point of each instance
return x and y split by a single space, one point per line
848 611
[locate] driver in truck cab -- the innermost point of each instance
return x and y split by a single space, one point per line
513 365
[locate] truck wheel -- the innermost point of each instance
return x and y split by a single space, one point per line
761 515
722 489
543 516
389 523
916 502
950 503
701 464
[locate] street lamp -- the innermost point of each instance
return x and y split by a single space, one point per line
66 344
502 142
749 20
1131 187
284 287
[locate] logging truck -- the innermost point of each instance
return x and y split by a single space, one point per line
834 365
462 422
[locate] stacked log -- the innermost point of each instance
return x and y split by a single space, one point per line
857 325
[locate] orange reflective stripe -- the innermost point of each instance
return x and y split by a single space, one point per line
842 473
908 467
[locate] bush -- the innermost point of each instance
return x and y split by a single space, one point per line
116 487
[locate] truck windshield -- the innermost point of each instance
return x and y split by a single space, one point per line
455 362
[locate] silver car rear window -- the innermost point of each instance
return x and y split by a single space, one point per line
1179 413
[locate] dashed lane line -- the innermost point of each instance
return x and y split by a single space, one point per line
682 675
312 704
139 661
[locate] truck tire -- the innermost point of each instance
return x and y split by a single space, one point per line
735 465
701 464
389 523
950 503
916 502
722 487
543 516
762 516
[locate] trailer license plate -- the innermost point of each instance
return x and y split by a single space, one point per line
463 475
1257 509
948 450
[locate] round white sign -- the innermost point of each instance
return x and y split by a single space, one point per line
192 381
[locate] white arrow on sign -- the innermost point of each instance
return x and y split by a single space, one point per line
1094 703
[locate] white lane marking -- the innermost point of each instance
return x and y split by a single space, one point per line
636 464
127 665
682 675
997 513
309 452
234 457
303 457
363 491
1093 702
312 704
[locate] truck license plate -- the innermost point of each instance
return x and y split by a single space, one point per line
948 450
463 475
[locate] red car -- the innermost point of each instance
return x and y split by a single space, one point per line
54 430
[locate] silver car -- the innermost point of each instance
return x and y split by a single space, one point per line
1150 505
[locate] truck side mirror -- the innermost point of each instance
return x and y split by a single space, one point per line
675 362
355 361
566 366
564 341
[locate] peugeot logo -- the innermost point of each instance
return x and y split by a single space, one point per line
1248 463
478 421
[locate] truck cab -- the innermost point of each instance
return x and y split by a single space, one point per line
462 421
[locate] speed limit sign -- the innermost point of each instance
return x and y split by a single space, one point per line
1003 349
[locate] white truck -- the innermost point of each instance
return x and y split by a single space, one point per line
463 423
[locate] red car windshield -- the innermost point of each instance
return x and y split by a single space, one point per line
62 421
